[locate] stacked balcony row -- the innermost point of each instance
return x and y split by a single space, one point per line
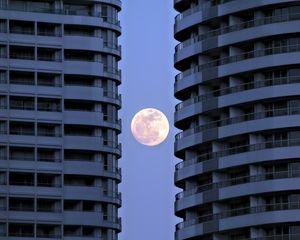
238 116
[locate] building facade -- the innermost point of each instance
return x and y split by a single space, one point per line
239 115
59 122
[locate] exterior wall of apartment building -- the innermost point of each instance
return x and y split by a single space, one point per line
239 115
59 122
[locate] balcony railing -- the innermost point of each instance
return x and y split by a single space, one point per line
21 208
49 58
241 57
112 45
111 119
23 183
112 144
48 209
239 212
240 26
44 159
22 132
47 107
239 180
48 184
28 8
20 234
111 94
278 237
48 134
112 70
112 194
20 55
22 82
239 119
49 33
21 106
22 31
22 158
239 88
199 7
237 150
48 235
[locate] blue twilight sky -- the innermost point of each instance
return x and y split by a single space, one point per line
148 77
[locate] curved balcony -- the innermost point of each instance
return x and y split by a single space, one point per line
239 212
237 27
83 167
113 96
269 82
92 93
22 163
93 143
92 118
238 181
113 222
92 42
238 150
113 73
239 119
237 191
66 12
92 219
83 67
20 189
111 122
28 214
239 58
113 49
192 16
116 3
91 193
27 63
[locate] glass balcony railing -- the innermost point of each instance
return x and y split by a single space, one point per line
237 27
240 212
22 31
22 106
22 81
21 183
15 55
112 45
21 234
22 132
48 107
48 159
21 208
239 88
239 119
199 7
112 70
239 180
238 58
295 236
88 13
22 158
111 94
48 235
111 119
48 133
237 150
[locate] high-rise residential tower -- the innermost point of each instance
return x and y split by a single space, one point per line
59 121
239 87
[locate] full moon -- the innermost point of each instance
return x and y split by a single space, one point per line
150 127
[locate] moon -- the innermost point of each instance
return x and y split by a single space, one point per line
150 126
